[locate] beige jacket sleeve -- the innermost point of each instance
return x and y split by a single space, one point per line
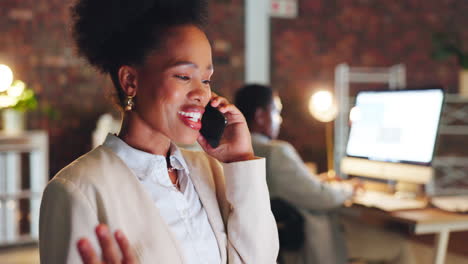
251 227
67 216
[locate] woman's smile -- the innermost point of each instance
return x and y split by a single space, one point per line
191 116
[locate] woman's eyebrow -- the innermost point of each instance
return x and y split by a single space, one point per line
188 63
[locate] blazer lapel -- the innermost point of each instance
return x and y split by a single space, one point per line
140 196
202 179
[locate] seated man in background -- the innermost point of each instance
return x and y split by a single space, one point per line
289 179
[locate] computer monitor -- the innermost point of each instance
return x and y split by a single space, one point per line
393 134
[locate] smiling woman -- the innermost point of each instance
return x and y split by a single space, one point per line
161 203
168 89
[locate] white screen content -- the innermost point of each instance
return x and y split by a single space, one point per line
395 125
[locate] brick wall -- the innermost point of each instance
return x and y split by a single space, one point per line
360 33
35 41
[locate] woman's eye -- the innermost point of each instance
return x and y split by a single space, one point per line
207 82
182 77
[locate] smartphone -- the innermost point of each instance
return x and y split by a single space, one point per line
213 124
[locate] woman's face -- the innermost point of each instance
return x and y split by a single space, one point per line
173 86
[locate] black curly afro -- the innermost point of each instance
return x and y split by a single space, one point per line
112 33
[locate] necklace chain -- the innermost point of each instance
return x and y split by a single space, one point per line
176 184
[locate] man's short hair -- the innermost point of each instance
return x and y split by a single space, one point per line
251 97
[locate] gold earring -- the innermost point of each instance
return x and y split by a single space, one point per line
129 104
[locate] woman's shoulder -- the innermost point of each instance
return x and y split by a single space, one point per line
90 168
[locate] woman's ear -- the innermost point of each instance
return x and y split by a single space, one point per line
128 80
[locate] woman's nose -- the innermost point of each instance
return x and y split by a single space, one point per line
201 93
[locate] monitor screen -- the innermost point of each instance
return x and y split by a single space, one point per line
395 126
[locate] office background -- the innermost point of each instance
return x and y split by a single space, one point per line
36 43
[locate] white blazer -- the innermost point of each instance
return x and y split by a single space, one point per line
99 188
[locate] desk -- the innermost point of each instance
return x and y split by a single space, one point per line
35 144
420 221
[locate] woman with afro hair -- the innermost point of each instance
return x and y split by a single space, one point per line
138 198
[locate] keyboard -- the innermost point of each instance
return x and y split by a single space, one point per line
387 202
454 203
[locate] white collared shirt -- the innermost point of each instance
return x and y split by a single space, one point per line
182 210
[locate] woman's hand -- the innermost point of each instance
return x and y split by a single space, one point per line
236 144
110 252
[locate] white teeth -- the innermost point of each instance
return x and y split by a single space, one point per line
194 116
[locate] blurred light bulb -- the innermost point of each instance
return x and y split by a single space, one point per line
322 100
322 106
7 101
6 77
16 89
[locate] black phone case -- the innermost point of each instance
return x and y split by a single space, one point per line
213 124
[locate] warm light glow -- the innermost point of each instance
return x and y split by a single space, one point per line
354 114
322 106
6 77
16 89
7 101
322 100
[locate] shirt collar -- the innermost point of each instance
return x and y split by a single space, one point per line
176 159
145 164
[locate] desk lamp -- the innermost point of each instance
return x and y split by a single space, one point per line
14 100
6 77
323 107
